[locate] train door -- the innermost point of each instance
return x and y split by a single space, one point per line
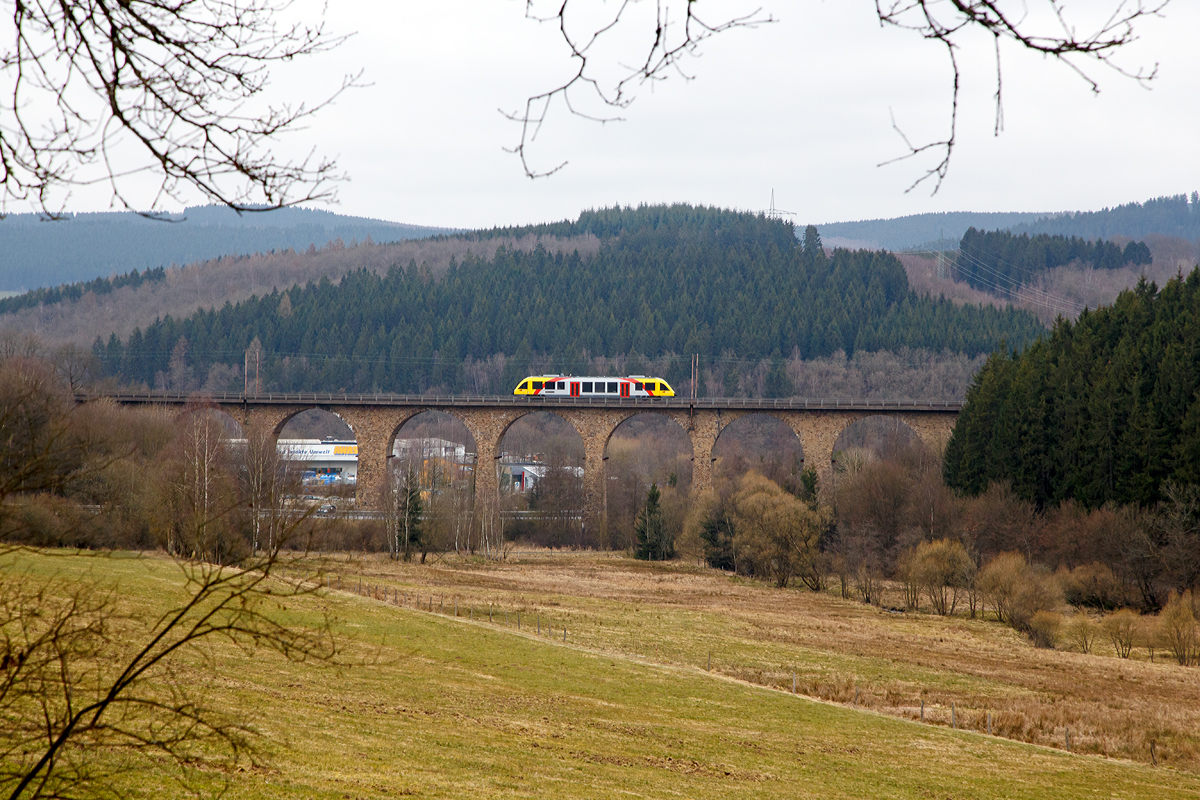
574 388
624 388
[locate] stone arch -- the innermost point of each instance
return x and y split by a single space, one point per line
456 467
545 446
230 426
625 456
291 417
875 436
670 423
757 418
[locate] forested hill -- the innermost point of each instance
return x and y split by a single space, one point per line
38 253
1104 409
676 281
1001 261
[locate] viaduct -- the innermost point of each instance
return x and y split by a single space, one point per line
376 420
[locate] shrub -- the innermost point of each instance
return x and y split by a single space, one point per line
908 573
777 534
1044 628
1177 629
999 582
1093 585
1039 591
942 570
1122 628
1081 631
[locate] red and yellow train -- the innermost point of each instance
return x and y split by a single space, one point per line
576 386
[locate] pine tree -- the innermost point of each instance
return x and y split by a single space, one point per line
653 543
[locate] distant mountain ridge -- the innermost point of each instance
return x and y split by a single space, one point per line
37 253
902 233
1176 216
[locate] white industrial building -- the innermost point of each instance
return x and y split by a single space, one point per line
333 463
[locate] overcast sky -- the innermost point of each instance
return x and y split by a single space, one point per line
800 106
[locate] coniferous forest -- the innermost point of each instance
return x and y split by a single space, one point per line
987 259
1103 410
667 282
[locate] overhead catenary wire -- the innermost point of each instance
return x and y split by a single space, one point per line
1021 290
1015 290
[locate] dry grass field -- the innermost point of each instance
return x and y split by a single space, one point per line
428 705
837 649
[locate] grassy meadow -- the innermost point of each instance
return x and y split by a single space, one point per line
428 705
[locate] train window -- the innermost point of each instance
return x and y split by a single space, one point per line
587 386
523 387
612 387
651 386
562 385
537 384
637 387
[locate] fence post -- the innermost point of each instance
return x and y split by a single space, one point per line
1067 738
989 723
855 695
710 660
793 682
518 620
922 709
539 624
953 718
564 634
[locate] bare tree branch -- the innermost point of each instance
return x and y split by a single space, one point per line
672 41
949 21
178 82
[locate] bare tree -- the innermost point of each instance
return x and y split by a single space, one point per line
201 492
267 479
675 32
402 508
99 91
42 446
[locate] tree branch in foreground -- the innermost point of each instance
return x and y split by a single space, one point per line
101 91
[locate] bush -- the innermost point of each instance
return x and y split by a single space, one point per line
942 570
1093 585
1177 629
1121 629
1081 631
1039 591
1000 581
1044 628
777 534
